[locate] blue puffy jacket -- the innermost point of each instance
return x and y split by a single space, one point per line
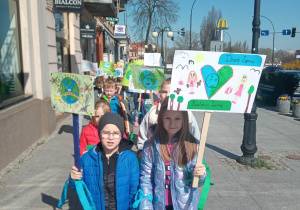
127 178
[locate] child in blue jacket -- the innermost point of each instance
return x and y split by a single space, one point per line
110 170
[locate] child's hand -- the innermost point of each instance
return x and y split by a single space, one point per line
84 152
199 170
75 174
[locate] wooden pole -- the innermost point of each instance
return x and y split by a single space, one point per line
140 97
205 125
151 96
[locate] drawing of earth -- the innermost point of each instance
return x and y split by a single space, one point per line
128 73
69 86
148 80
212 80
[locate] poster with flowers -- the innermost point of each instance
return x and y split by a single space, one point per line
214 81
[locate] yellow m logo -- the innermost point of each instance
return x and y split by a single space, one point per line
222 24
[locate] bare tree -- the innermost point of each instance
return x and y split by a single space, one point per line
148 14
237 47
183 43
208 28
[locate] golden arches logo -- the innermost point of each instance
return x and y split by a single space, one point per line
222 24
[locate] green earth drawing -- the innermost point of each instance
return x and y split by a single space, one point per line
148 80
69 86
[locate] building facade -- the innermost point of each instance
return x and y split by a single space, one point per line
35 41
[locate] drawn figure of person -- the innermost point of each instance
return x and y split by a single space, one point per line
240 88
192 81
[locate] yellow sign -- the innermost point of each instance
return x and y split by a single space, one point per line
222 24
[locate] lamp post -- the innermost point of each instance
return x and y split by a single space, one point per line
273 38
191 26
230 39
248 146
161 31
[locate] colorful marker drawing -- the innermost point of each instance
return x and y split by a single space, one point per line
108 68
192 81
207 85
240 88
86 66
118 72
72 93
147 78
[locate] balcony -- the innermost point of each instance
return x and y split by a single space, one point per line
102 8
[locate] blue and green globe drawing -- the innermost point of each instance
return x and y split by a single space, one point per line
148 80
69 90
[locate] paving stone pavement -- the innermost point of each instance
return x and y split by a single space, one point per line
36 178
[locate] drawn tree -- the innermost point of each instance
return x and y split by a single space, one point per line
148 14
172 96
250 91
179 100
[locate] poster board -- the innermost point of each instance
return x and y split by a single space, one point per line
108 68
72 93
99 72
147 77
152 59
118 72
87 66
214 81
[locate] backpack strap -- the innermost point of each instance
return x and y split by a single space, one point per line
205 188
84 195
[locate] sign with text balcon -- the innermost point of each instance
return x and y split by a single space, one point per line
88 30
75 6
120 30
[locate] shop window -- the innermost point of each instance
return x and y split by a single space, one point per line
62 42
11 74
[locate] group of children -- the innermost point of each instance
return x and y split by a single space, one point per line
167 145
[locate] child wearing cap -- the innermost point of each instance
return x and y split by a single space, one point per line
110 170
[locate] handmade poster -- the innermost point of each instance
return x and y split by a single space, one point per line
147 77
152 59
86 66
214 81
95 67
72 93
99 72
127 80
118 72
120 64
108 68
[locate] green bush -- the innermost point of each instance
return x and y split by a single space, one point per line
283 84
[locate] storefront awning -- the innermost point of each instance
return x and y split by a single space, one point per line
102 8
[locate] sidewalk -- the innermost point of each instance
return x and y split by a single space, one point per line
37 181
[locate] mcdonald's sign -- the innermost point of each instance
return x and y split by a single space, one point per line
222 24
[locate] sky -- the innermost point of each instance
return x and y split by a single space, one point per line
284 14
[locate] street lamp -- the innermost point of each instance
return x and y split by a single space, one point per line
273 37
248 146
155 35
191 26
230 39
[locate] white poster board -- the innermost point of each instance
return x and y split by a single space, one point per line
152 59
214 81
87 66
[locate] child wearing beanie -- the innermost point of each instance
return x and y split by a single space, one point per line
110 170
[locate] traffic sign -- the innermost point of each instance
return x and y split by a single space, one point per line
286 32
264 33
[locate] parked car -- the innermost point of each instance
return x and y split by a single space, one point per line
272 69
296 74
